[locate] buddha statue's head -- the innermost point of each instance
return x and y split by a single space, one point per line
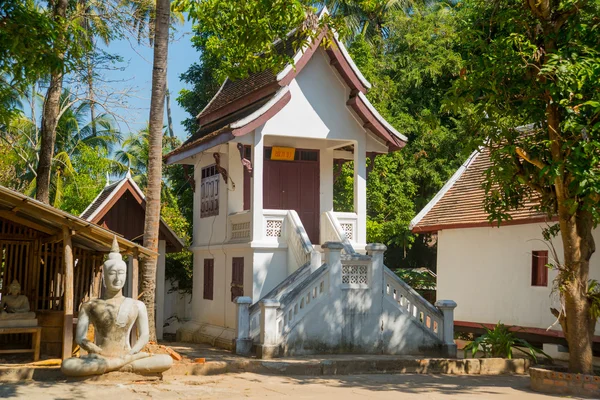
14 288
115 269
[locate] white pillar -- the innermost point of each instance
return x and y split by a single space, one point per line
268 347
360 190
333 257
376 251
447 307
159 296
257 185
326 184
243 341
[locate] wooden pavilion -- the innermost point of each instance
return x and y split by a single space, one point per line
57 258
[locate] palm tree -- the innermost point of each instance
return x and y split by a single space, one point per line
153 192
367 18
133 156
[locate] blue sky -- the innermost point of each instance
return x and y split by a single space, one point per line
136 73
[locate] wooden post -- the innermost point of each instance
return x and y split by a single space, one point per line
135 273
68 296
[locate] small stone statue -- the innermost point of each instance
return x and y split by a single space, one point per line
113 318
15 305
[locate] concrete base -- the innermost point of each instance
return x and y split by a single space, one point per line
243 347
449 350
18 323
266 352
194 332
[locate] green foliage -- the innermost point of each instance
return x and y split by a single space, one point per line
411 69
500 342
418 279
523 70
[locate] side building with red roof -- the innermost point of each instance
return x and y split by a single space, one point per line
493 273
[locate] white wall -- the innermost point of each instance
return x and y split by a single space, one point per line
487 271
177 308
221 310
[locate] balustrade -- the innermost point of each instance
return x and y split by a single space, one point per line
412 304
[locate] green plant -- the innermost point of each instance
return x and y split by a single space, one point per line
500 342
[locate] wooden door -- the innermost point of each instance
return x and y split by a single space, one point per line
237 277
294 185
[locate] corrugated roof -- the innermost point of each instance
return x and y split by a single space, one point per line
26 211
460 203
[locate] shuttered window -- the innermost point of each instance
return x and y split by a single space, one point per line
539 271
209 277
209 192
237 277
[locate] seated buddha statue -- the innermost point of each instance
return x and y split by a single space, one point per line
113 318
15 305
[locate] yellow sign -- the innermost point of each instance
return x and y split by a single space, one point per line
283 153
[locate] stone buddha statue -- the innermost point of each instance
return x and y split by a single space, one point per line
15 305
113 318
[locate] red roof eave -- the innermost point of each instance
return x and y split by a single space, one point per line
372 123
520 221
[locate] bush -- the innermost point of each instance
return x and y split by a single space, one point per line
500 342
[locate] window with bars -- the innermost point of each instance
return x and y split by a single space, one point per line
209 277
539 270
209 192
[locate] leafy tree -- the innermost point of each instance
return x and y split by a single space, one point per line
538 62
411 69
26 34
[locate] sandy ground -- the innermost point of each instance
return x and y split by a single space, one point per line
253 386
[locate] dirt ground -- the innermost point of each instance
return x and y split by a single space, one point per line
253 386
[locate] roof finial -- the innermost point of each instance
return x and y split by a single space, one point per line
107 179
128 176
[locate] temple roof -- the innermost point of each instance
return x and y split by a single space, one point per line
237 106
460 202
98 209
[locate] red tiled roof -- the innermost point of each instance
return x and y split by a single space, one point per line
461 202
233 90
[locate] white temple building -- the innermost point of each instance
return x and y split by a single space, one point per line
263 162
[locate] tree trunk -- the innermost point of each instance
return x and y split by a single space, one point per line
169 116
578 246
578 324
157 109
50 116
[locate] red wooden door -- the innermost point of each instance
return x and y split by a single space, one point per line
294 185
237 277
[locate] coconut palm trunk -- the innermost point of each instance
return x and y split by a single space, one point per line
50 115
157 107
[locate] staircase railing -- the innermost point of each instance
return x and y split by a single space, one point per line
333 231
287 285
299 246
410 302
302 299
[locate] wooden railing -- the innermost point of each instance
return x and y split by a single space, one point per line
411 303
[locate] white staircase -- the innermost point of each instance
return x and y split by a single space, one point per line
350 303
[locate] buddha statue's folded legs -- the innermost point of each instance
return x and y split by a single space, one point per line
94 364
